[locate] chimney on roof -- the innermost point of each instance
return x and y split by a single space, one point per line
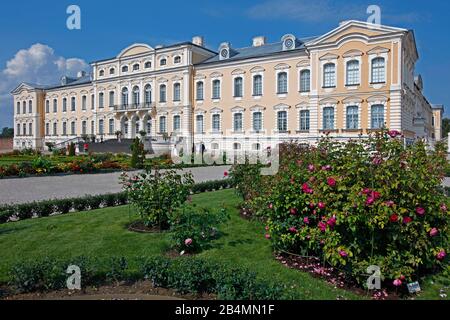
81 74
259 41
198 40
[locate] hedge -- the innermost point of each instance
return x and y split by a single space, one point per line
185 275
63 206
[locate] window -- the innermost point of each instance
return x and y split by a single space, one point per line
136 67
136 96
257 85
237 122
162 93
257 121
64 104
378 70
236 146
101 73
215 146
55 105
216 89
352 118
137 127
256 146
176 123
30 106
111 98
92 102
30 129
73 105
329 76
83 127
162 124
238 87
24 107
55 129
282 121
64 127
72 128
199 123
47 129
216 122
101 100
353 73
282 84
92 127
149 126
177 59
328 118
305 81
100 127
24 127
125 69
148 94
18 129
18 108
83 103
148 65
304 120
125 96
377 117
176 92
47 106
163 62
200 88
111 126
112 71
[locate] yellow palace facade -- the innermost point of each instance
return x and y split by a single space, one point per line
347 83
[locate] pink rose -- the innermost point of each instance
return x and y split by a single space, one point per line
312 205
420 211
293 211
370 201
311 168
331 182
343 254
441 255
434 232
377 161
389 203
321 205
267 228
293 230
322 226
397 282
443 207
188 242
306 220
267 236
394 133
326 168
366 191
270 206
225 174
407 220
306 188
331 222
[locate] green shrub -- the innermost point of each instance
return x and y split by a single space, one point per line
117 268
25 211
71 150
80 204
44 208
137 154
6 212
110 200
156 270
64 205
192 276
94 202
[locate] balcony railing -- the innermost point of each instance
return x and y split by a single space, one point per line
134 106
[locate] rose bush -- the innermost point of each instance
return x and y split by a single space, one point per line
361 203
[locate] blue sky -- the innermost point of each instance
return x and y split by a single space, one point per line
109 26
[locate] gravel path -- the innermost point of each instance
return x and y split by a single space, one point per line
13 191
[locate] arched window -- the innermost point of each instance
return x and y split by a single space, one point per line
136 96
47 129
55 129
148 65
352 117
101 100
18 108
282 84
73 105
64 128
101 73
238 82
236 146
162 93
83 103
282 125
177 59
256 146
64 104
328 118
101 128
162 124
111 98
125 126
200 90
199 123
111 126
112 71
55 105
176 123
237 122
329 75
216 89
47 106
305 81
30 129
257 85
353 73
24 107
125 69
84 127
216 122
24 128
73 128
378 70
163 62
148 94
93 101
257 121
377 116
304 120
30 106
176 92
136 67
125 96
137 126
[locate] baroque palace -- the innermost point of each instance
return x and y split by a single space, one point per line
348 83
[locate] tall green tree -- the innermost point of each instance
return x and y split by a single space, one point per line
445 127
7 133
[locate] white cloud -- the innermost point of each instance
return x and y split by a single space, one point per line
39 65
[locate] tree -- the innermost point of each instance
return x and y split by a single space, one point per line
7 133
137 154
445 127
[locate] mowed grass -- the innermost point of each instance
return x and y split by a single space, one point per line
103 234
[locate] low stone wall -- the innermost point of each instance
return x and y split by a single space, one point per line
6 144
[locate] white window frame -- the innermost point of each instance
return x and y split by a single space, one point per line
373 56
242 87
215 99
360 66
352 104
322 108
282 94
300 71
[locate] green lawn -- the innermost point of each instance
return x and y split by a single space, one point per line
102 233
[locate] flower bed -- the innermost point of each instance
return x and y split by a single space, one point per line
363 203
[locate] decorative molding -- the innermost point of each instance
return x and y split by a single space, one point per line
353 53
329 56
282 66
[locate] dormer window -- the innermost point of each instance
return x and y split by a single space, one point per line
125 69
148 65
163 62
289 42
136 67
177 59
225 51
